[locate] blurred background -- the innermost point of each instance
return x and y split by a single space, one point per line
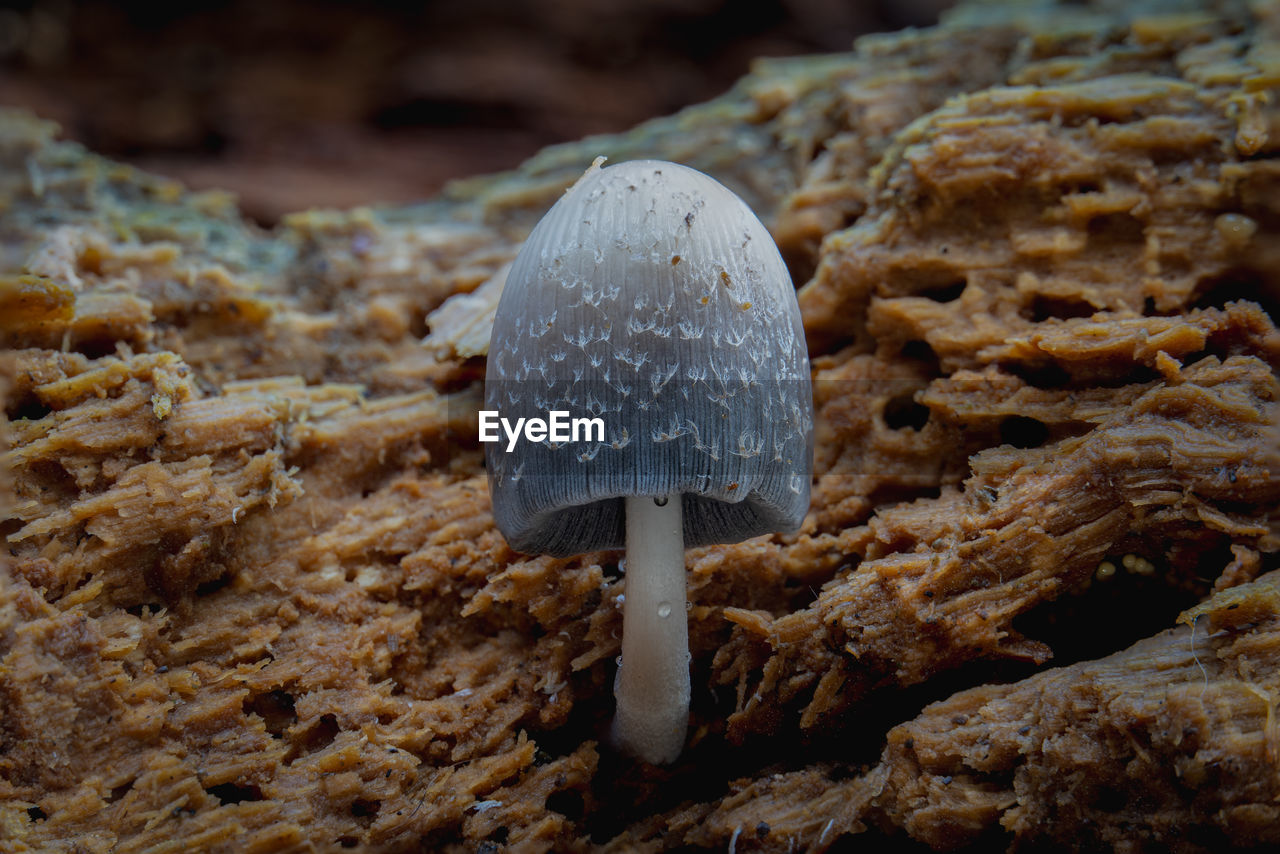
296 103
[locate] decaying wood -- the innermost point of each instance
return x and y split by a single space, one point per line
253 598
1171 744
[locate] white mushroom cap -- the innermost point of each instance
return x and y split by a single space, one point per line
650 296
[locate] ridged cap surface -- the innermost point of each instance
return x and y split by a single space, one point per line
650 296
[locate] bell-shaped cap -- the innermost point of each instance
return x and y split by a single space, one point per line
652 298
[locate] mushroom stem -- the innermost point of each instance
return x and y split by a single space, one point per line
652 686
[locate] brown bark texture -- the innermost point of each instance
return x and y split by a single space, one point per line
252 596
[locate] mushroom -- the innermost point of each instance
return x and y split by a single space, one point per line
650 297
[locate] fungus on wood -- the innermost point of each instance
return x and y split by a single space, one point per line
652 298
